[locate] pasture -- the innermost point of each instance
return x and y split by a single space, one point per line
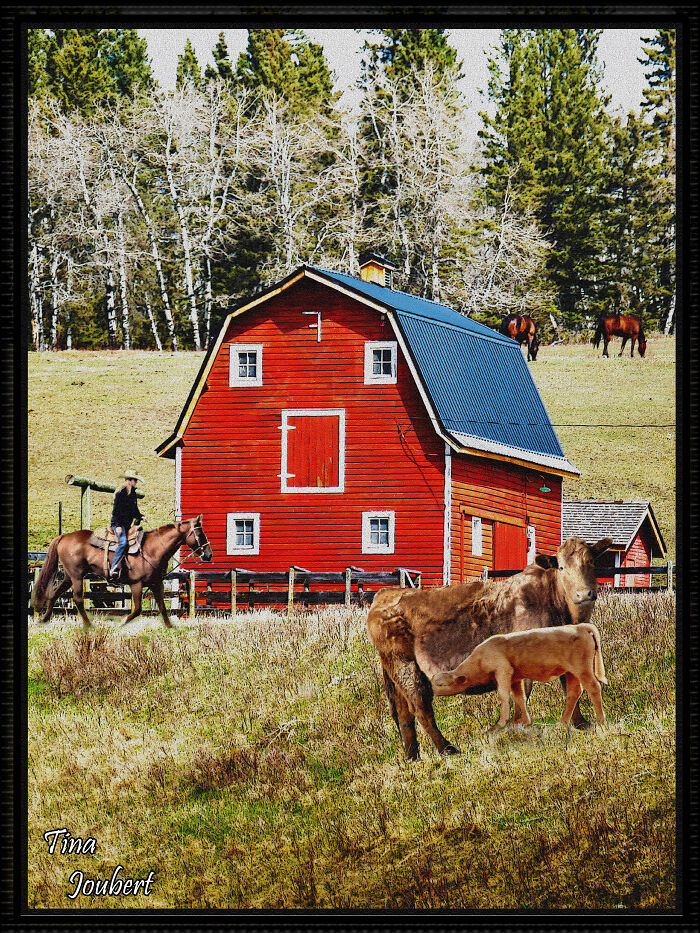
97 413
252 763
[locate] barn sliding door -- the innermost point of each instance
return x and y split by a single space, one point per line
509 546
313 450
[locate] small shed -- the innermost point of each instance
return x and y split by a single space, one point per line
635 533
339 422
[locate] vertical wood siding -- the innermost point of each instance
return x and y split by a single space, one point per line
638 555
499 492
394 461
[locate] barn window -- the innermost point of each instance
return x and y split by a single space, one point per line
245 364
380 362
313 450
477 537
243 533
378 532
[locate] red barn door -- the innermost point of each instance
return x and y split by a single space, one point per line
313 452
509 546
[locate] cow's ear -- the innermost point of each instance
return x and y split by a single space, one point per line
547 561
600 547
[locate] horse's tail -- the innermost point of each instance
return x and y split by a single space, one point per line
46 575
598 336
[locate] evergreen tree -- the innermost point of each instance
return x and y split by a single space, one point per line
85 69
223 66
659 109
285 64
548 135
188 69
400 52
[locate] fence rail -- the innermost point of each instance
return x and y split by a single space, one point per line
606 573
191 591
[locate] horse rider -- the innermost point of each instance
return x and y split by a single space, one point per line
124 512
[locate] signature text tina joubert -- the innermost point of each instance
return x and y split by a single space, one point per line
61 841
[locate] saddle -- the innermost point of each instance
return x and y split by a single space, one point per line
106 540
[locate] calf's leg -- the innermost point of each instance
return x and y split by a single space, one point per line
522 717
592 687
573 693
503 686
578 720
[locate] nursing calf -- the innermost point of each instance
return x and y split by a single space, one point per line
540 654
420 633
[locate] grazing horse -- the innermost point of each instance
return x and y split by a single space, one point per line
620 325
522 328
147 568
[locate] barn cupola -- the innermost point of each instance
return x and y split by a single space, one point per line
375 268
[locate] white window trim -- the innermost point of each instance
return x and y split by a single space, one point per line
234 380
231 519
367 546
370 377
477 537
288 413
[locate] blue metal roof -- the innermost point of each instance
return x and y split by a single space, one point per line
477 379
421 307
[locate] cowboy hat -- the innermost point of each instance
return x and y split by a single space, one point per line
132 474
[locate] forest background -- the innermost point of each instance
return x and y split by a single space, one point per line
153 211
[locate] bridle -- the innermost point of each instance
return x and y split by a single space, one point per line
200 544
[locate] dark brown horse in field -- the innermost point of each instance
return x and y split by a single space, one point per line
620 325
147 568
522 328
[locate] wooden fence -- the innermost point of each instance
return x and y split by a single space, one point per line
193 591
606 573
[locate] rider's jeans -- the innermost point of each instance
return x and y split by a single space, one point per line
122 544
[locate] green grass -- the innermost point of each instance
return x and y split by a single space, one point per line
230 758
97 413
579 387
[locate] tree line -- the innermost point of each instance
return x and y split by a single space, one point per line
152 212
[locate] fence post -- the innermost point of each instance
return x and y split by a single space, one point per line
233 592
484 574
669 575
348 585
402 578
290 592
192 594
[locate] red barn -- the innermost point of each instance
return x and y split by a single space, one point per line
336 421
634 531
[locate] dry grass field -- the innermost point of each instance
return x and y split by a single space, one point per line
252 763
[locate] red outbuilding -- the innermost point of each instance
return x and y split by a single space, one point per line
339 422
633 529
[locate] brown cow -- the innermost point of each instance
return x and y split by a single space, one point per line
419 633
537 654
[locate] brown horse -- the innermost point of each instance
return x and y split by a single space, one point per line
147 568
522 328
620 325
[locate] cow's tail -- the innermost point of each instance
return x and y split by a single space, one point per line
598 666
46 575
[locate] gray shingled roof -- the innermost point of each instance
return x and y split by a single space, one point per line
593 519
